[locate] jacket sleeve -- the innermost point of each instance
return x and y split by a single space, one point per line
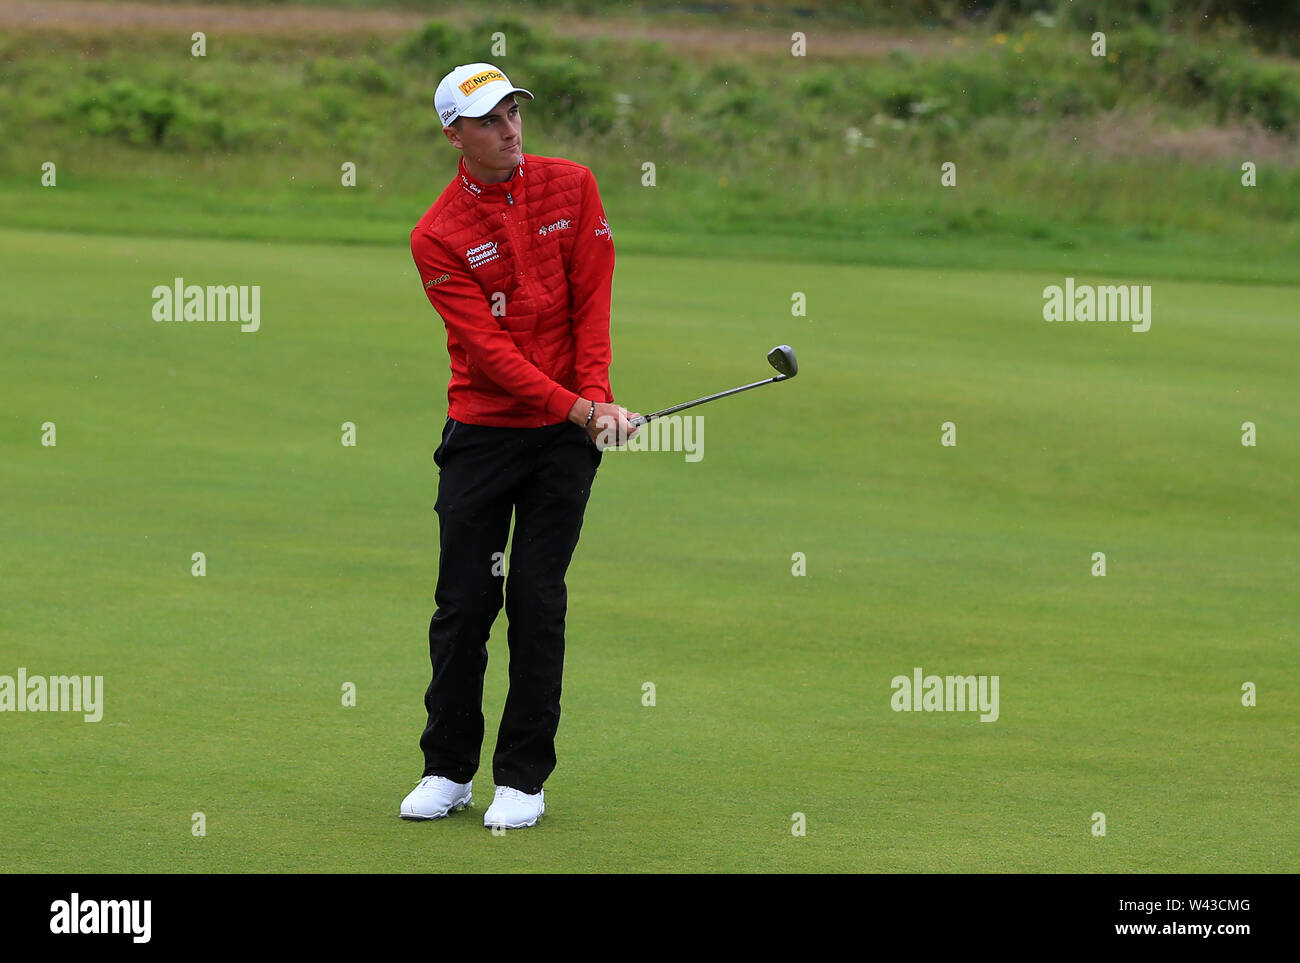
591 276
466 312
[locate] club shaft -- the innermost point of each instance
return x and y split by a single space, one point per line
699 401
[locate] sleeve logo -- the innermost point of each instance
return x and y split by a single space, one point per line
429 284
603 230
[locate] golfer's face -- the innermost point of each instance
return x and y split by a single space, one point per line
495 140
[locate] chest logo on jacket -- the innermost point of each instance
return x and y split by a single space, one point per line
559 225
482 254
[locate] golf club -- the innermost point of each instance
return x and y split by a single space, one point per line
781 358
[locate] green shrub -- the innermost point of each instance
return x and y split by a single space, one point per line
1071 99
575 91
898 101
1268 94
136 115
1200 72
979 89
818 83
434 44
373 78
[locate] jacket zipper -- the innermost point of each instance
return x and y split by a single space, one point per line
520 253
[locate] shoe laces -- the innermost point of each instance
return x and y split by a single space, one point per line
508 792
428 781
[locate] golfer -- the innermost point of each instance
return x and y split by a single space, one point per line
516 257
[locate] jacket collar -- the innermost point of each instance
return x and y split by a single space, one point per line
478 189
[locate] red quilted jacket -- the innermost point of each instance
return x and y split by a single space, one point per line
521 274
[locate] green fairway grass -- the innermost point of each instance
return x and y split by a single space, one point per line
1118 694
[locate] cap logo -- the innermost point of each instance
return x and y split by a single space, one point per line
479 79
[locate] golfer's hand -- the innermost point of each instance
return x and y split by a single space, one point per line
609 426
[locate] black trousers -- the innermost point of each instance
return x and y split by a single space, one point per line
543 476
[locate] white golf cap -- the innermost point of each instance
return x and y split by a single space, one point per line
472 90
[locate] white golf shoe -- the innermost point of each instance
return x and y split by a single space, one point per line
435 797
512 809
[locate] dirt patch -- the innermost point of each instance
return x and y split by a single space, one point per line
1119 135
76 14
190 17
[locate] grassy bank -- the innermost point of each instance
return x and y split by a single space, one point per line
1133 157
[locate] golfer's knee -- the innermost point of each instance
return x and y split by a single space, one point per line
539 601
468 616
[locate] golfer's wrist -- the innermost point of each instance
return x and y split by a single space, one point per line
578 413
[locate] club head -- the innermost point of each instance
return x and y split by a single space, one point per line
783 360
